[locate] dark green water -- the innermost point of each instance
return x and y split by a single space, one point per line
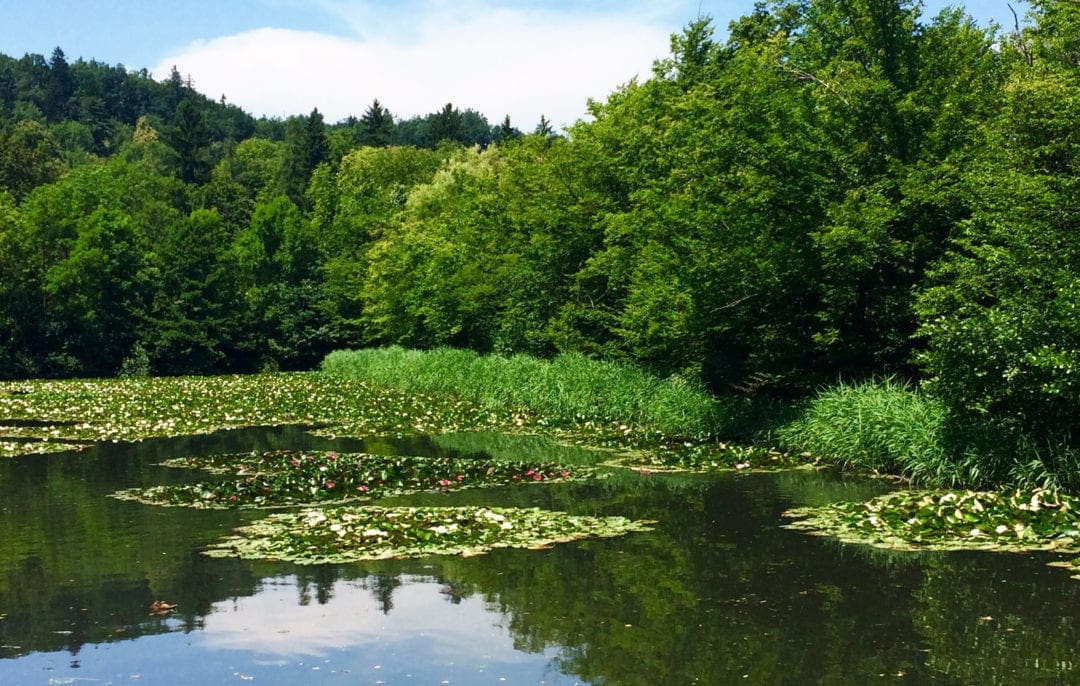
717 594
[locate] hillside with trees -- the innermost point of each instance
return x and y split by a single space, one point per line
836 190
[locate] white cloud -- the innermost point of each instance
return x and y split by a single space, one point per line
272 624
517 62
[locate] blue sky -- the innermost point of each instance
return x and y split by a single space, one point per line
279 57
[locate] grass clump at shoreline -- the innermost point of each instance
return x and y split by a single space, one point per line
889 427
570 389
882 426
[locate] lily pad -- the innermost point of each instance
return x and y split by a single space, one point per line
349 534
285 478
1017 521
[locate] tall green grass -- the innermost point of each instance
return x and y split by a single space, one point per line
570 388
884 426
889 427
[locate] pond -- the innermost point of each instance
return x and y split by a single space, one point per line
716 593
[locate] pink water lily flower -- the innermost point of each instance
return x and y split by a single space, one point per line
460 477
329 484
363 488
444 482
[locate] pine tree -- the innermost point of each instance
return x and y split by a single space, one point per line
58 88
376 127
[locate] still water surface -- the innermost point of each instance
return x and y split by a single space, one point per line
717 594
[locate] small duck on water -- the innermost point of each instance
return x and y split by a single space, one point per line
160 607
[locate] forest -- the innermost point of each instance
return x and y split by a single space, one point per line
838 192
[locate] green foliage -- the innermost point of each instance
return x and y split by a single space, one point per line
190 138
100 293
29 157
277 266
484 253
1001 321
198 319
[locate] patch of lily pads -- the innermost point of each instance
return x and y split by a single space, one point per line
25 447
351 534
87 411
287 478
1016 521
135 409
710 456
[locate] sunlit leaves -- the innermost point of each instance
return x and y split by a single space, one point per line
130 409
318 536
284 478
951 520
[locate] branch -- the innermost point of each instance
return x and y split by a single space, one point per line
1023 47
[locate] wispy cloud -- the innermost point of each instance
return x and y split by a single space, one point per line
523 60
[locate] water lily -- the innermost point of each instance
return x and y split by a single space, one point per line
444 483
330 484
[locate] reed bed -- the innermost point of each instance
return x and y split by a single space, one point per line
571 388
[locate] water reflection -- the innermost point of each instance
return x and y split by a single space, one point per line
718 593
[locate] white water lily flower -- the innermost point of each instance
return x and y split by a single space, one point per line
975 533
507 525
374 532
440 529
1001 528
